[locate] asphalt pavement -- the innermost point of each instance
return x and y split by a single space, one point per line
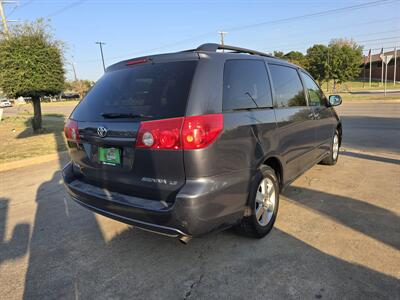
337 236
371 126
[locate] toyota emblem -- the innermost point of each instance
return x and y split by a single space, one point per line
101 131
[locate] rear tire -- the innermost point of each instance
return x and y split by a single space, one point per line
263 203
333 156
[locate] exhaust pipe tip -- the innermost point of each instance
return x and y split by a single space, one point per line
184 239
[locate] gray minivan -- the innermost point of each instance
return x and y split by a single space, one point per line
187 143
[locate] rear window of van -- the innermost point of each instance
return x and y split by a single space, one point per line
158 90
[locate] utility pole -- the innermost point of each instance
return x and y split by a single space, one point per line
73 69
101 51
222 33
3 17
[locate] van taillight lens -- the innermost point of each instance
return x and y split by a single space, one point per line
71 130
186 133
160 134
200 131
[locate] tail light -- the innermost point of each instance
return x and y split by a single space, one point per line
160 134
200 131
71 130
180 133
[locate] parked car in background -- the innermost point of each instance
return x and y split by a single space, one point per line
187 143
5 103
48 99
69 96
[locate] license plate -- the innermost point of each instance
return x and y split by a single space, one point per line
110 156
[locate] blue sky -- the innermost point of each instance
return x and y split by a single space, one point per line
134 28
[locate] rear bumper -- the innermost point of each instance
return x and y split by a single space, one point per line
201 206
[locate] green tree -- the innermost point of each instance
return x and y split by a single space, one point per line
79 86
317 58
31 65
297 58
339 61
279 54
345 59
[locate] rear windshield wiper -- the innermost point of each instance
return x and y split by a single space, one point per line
124 115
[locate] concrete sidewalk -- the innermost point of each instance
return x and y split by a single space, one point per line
382 91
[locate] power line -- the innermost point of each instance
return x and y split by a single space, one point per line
273 22
20 6
67 7
381 39
327 41
290 46
387 47
391 44
310 32
317 14
367 46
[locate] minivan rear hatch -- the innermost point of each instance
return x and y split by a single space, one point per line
103 129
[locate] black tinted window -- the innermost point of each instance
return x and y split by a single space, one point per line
159 90
288 90
246 82
315 96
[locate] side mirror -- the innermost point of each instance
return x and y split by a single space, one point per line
335 100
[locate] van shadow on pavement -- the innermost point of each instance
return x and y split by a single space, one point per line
371 157
17 245
371 220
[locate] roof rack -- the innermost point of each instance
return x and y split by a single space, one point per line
214 47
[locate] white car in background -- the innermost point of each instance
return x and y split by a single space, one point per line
5 103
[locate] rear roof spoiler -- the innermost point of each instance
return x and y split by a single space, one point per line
210 47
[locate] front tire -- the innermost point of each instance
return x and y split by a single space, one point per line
333 156
263 203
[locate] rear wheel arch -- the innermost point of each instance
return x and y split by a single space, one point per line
250 224
274 163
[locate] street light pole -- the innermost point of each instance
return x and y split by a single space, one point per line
102 55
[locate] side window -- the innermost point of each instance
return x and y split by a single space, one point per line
315 95
288 90
246 85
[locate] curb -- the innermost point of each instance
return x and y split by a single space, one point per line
32 161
